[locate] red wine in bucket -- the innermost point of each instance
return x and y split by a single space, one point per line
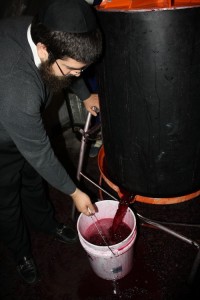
104 225
114 230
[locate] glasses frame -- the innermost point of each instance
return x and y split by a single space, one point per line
66 75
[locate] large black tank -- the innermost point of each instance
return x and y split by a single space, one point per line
150 100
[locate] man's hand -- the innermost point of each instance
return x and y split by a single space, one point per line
83 202
91 102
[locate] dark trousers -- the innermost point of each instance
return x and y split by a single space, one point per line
22 202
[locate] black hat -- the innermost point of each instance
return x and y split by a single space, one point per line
73 16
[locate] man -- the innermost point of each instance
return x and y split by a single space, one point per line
37 59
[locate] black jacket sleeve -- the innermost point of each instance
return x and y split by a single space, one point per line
80 89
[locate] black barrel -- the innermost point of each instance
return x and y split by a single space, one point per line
149 82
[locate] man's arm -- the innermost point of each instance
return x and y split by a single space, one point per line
90 100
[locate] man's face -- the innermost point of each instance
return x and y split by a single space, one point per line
54 82
61 73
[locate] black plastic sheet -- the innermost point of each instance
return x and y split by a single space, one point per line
149 81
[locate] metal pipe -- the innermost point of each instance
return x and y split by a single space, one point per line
83 144
81 155
98 186
85 133
172 232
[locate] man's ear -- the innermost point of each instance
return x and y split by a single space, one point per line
42 51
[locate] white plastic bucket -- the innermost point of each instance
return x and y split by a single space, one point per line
104 263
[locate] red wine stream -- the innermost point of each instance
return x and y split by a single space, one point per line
124 202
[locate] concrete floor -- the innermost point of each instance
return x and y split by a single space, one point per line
162 263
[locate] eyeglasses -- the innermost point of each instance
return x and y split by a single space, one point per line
76 70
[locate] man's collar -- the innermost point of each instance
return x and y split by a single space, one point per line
33 47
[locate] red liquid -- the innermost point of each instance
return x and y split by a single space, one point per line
125 200
92 235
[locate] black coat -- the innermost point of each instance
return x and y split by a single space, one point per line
23 97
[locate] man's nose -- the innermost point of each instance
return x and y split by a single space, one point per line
76 73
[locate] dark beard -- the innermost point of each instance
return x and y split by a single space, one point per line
55 83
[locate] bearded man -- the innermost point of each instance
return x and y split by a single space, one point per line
39 57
